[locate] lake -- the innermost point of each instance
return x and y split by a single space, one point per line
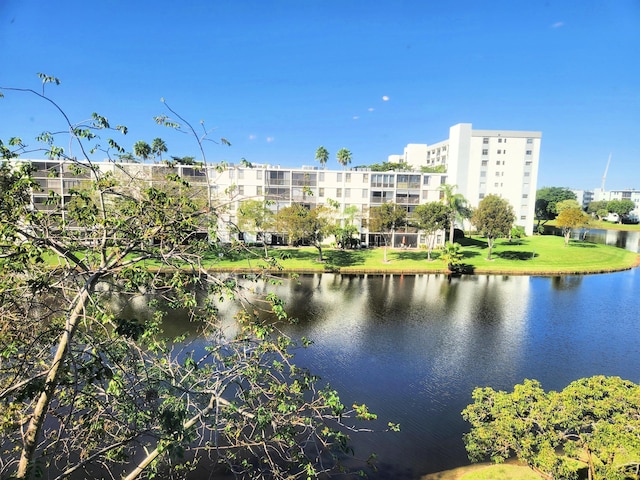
413 347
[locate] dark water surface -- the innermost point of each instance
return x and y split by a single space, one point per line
414 347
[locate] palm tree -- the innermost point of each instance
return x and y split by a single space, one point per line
158 147
322 156
142 150
457 205
452 256
344 157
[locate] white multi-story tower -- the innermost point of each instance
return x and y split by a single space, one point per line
483 162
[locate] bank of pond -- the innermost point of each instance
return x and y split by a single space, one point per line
535 255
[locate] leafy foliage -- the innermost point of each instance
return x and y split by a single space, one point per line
322 156
303 224
622 208
457 205
386 218
89 388
592 423
494 217
569 219
430 218
546 200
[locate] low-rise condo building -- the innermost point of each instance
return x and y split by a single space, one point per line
478 162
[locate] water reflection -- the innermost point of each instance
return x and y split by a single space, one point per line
414 347
629 240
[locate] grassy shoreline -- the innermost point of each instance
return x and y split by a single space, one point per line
537 255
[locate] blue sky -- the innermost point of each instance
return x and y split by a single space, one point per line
280 78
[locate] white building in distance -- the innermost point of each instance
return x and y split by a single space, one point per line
483 162
479 162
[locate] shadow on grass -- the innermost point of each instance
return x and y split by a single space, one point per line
345 258
415 255
515 255
582 244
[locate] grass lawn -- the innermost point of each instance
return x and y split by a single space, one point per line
505 471
541 255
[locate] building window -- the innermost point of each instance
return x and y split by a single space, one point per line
258 190
497 174
525 195
365 193
240 173
339 192
240 189
485 151
231 173
498 162
339 177
528 152
499 152
347 192
484 163
496 185
483 174
499 140
526 174
321 192
347 177
485 141
528 163
523 217
481 196
259 174
529 140
365 177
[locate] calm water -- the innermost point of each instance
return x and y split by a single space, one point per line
615 238
414 347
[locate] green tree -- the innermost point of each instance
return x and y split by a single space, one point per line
622 208
494 218
303 224
158 147
593 423
598 208
570 219
87 387
430 218
344 157
255 216
345 233
565 204
546 200
386 219
322 156
142 150
457 205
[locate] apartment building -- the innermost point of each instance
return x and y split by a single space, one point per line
624 194
483 162
479 162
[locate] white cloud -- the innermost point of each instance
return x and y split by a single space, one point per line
356 117
252 137
385 98
270 139
557 25
371 109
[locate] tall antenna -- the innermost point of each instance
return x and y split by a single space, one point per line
604 177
